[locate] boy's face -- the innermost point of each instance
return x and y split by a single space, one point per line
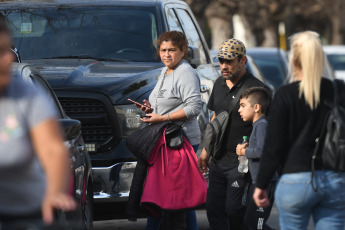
247 111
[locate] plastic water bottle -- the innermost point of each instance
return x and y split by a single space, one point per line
243 165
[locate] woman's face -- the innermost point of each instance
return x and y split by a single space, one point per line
6 58
170 54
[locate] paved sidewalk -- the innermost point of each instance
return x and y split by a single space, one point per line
201 216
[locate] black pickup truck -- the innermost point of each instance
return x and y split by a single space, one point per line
96 55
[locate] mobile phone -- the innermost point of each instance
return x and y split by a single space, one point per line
135 102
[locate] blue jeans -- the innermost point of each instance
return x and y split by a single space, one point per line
297 201
154 223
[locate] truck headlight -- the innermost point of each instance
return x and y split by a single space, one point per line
129 118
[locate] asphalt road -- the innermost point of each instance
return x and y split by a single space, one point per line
201 217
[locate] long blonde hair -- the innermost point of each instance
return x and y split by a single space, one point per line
307 56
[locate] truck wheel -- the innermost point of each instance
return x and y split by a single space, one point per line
88 208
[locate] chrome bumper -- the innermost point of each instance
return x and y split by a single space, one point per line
112 184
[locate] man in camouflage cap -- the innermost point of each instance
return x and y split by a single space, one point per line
226 184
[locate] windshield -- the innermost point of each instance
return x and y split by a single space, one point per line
118 33
337 61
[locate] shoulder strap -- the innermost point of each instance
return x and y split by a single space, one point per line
336 97
237 96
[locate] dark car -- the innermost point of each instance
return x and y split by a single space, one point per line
96 55
335 65
272 62
81 187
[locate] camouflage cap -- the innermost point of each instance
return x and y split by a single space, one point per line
231 48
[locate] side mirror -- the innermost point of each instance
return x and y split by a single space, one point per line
71 128
194 56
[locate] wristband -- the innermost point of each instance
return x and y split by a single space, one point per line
168 118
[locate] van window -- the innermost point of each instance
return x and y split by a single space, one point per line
191 33
173 22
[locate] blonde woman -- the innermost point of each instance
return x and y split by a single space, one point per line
297 112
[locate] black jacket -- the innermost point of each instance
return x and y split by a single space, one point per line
142 141
141 144
291 120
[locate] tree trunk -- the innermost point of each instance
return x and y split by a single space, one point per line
249 37
221 30
337 37
271 38
336 19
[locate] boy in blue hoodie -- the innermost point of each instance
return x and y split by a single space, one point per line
254 103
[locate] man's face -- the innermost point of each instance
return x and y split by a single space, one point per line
230 69
247 111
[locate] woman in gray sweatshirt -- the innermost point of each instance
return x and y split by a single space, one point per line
176 98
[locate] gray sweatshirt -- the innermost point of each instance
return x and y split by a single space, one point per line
256 144
22 181
180 89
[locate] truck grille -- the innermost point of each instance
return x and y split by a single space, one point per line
95 122
81 106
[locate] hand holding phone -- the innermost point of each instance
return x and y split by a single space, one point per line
146 108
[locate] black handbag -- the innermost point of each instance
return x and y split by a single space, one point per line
174 136
142 141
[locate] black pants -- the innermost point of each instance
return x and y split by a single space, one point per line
255 218
31 220
224 197
174 220
35 215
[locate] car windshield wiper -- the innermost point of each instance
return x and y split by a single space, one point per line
87 57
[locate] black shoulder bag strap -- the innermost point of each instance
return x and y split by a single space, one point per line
237 97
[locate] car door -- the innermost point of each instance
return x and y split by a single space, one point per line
180 18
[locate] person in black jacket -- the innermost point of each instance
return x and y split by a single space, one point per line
296 116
